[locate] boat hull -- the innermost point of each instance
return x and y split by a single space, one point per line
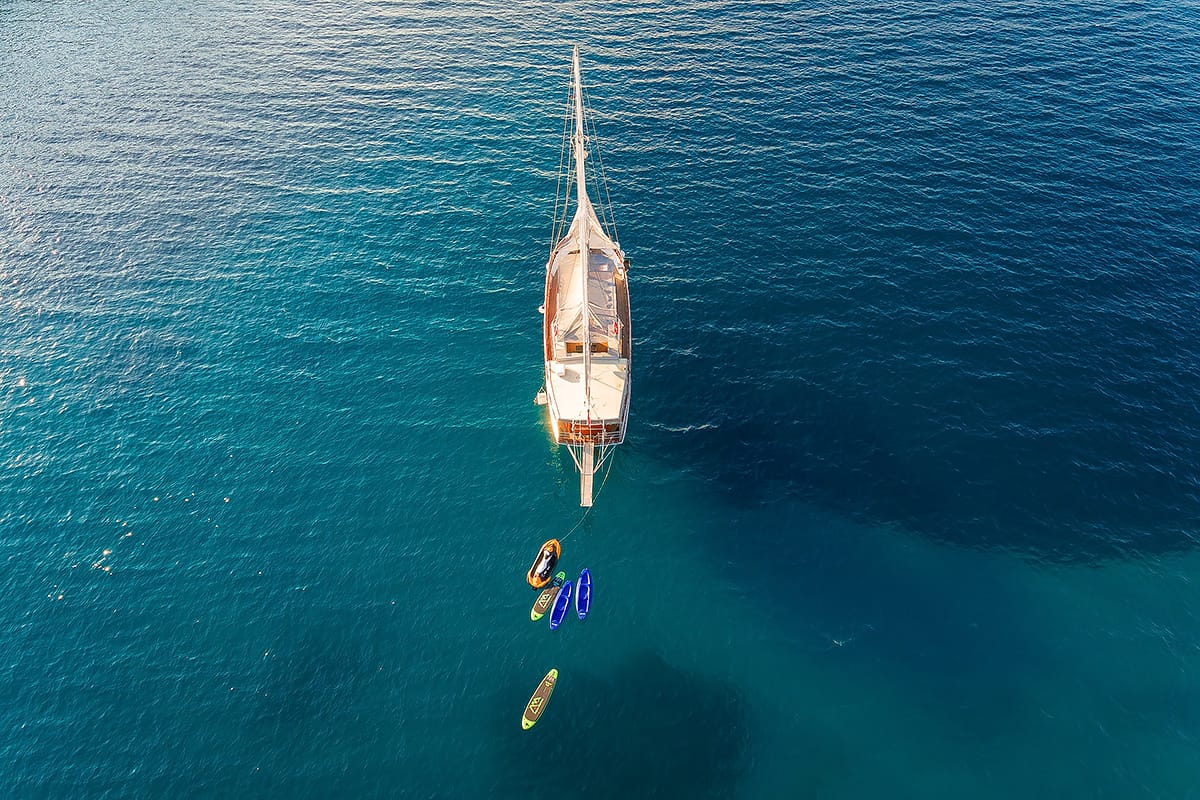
588 398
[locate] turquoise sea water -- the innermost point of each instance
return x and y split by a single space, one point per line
909 504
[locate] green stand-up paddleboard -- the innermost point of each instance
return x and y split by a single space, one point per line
545 600
537 703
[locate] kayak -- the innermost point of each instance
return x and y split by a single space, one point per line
543 566
561 604
537 703
583 594
542 604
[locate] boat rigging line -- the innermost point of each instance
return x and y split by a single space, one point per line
587 509
607 218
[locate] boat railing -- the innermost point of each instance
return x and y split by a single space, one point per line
599 433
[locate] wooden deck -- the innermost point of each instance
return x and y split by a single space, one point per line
587 468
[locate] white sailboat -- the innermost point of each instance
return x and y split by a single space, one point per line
585 325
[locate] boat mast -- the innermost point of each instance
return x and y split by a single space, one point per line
583 212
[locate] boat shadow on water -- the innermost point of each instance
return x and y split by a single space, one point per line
649 729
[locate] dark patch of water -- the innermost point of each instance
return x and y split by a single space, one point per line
648 729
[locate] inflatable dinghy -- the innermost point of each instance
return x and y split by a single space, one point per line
543 566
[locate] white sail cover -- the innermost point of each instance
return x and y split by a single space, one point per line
603 261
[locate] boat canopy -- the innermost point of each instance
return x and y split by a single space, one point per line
604 259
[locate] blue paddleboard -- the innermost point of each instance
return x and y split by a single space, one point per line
583 594
561 604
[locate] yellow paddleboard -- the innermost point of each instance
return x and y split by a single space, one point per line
537 703
546 598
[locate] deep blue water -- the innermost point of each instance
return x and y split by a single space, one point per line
909 506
